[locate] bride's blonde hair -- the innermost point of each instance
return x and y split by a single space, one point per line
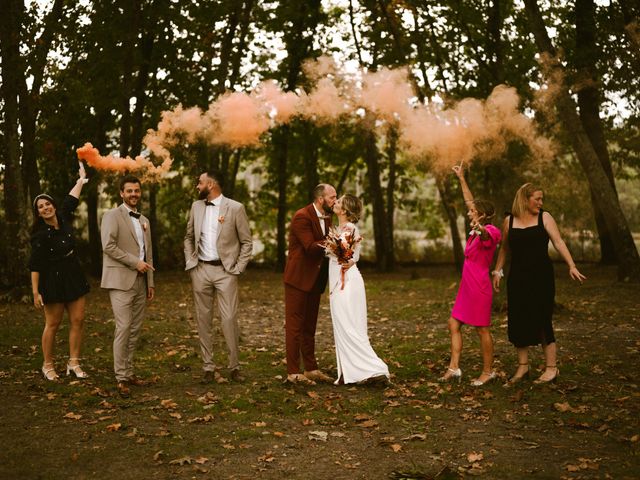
352 207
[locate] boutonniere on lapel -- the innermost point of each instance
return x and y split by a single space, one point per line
144 226
221 219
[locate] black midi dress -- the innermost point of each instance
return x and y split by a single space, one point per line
530 286
53 256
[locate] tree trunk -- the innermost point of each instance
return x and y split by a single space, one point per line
392 149
311 176
444 189
384 251
92 198
16 229
281 153
230 187
606 198
140 91
131 15
589 103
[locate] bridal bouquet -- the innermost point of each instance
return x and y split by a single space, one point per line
341 245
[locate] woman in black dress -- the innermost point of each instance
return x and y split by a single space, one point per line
57 280
530 286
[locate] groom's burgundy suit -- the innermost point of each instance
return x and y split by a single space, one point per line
305 278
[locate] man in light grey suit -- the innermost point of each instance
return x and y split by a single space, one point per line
217 249
127 272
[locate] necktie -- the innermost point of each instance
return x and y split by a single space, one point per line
134 214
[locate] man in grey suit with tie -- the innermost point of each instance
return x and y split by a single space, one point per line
217 249
127 272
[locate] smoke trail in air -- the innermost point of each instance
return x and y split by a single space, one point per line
466 131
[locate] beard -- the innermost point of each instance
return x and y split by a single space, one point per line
203 194
327 209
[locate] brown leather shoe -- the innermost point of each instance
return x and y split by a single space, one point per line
123 389
137 381
211 376
235 375
299 378
318 376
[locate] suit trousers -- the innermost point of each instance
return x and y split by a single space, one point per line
128 309
301 318
209 282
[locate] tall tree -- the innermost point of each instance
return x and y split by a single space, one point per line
587 83
14 190
605 195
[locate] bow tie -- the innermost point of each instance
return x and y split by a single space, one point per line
324 217
134 214
209 204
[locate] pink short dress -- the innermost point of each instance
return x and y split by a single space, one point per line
473 302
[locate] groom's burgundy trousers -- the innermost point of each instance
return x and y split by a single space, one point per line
301 316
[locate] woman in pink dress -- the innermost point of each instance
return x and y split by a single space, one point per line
473 302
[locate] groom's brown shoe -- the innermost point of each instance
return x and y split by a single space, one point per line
318 376
299 378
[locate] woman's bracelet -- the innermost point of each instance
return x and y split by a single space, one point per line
500 273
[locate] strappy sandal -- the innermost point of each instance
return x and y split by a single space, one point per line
76 369
513 380
478 383
552 379
451 375
49 372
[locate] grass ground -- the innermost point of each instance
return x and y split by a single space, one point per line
585 426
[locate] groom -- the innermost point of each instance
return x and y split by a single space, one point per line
305 278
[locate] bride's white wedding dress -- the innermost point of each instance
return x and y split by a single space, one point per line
356 360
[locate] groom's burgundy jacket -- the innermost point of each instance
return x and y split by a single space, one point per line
303 269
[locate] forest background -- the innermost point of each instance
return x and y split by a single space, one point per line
103 72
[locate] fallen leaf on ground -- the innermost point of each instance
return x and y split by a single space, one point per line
168 404
182 461
318 436
114 427
396 447
73 416
474 457
368 424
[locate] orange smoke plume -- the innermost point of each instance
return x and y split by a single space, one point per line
118 164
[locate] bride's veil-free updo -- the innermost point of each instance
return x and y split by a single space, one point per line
352 206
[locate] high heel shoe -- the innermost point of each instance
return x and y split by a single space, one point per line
515 379
552 379
76 369
478 383
49 372
451 374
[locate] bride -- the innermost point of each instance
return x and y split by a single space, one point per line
356 360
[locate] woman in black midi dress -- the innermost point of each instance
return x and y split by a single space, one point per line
531 283
57 280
